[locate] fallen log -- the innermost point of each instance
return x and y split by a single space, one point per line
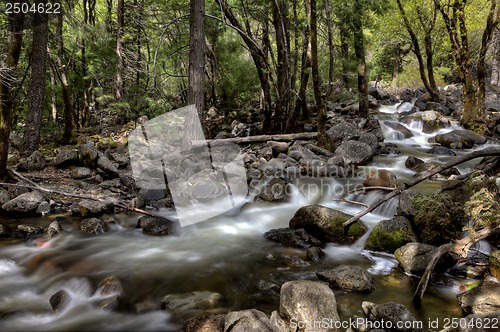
425 176
255 139
460 247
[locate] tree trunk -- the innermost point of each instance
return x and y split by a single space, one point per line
119 50
323 139
7 81
53 99
196 69
330 45
495 64
68 107
429 84
359 50
280 22
36 92
301 104
344 48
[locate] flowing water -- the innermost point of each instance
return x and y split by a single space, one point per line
226 254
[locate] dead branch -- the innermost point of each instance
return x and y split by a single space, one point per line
340 199
116 203
460 247
425 176
356 190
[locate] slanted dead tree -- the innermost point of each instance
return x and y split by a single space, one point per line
473 155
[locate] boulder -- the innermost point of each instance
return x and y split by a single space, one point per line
414 257
325 224
343 131
392 312
205 323
247 321
156 226
278 147
442 151
278 323
79 173
93 226
299 152
431 120
380 178
306 302
66 155
460 139
107 166
297 238
43 208
198 300
35 162
348 277
355 152
495 264
389 235
89 208
87 155
413 162
275 190
430 105
24 203
482 299
405 132
30 231
314 254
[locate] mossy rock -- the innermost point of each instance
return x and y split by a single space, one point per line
437 220
483 204
389 235
495 264
326 224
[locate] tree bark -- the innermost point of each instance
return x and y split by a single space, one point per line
495 64
36 92
359 50
280 22
330 45
344 48
68 107
7 82
196 68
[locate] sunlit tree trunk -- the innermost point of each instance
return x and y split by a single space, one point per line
36 92
7 82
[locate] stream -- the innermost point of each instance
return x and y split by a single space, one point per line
226 254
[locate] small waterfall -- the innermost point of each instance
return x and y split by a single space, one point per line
404 107
417 125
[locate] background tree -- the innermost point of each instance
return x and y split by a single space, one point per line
7 84
37 81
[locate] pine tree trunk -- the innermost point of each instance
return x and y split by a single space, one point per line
7 81
36 92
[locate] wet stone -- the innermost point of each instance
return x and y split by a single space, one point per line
59 300
93 226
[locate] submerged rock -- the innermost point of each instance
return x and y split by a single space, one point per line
391 313
59 300
389 235
112 288
297 238
156 226
189 301
348 277
325 224
53 229
93 226
380 178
